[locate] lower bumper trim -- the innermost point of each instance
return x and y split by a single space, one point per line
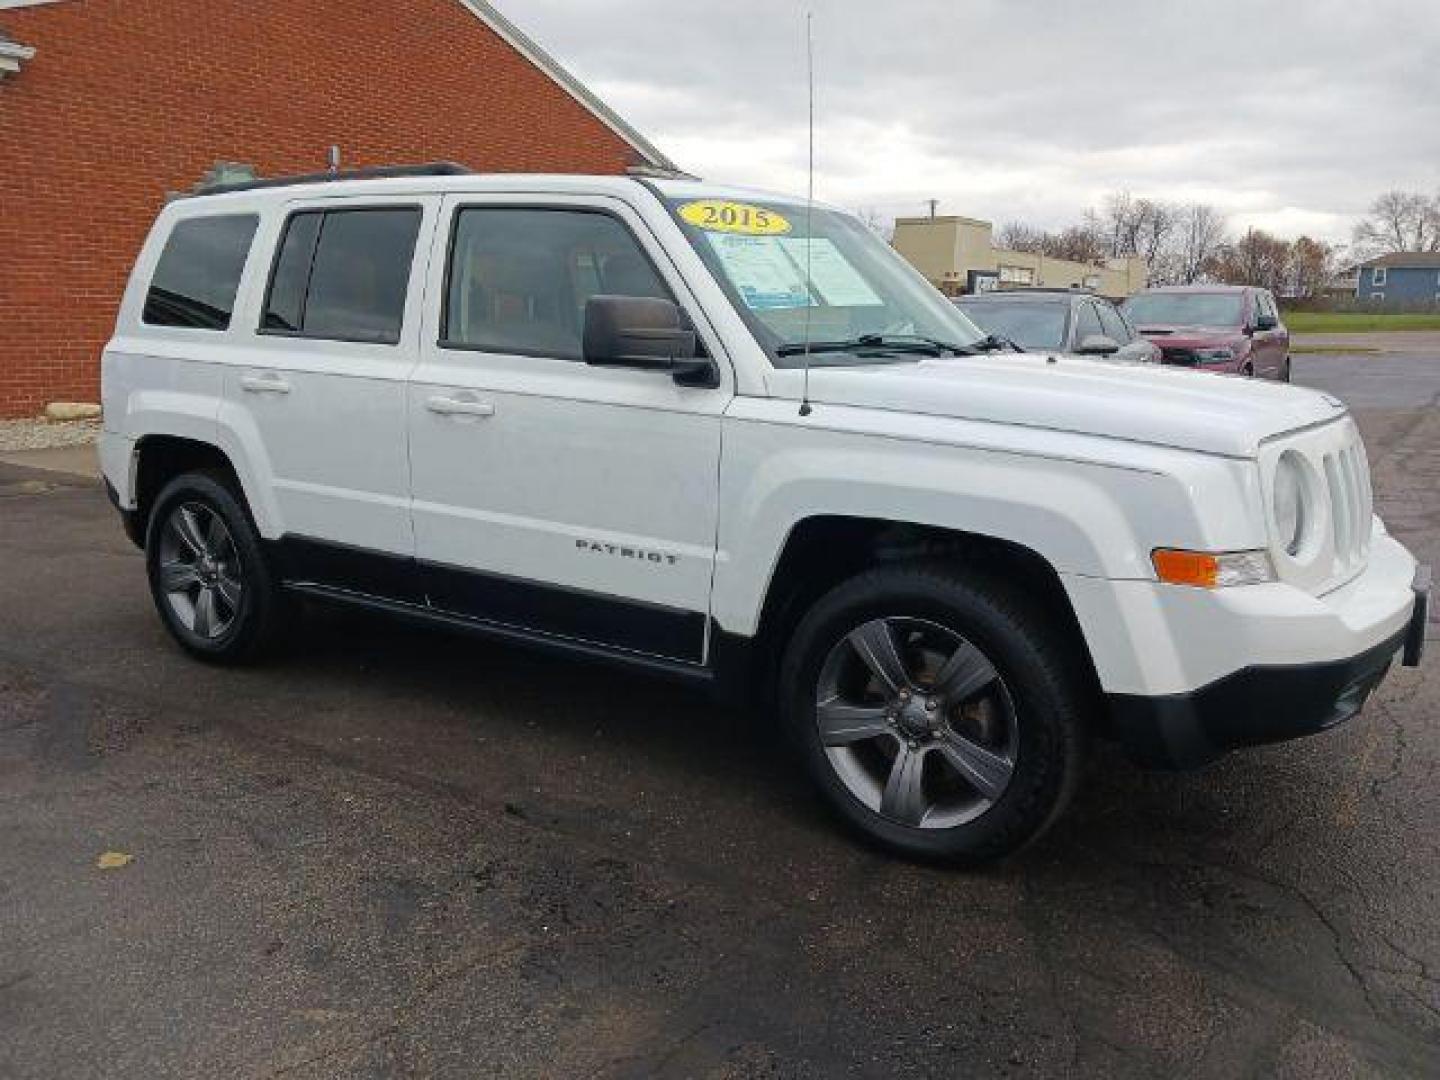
1250 707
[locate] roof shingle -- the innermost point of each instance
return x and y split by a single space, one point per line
1421 259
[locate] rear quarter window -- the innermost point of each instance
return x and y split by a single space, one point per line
342 275
199 271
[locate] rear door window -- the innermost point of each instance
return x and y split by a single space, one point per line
343 275
199 271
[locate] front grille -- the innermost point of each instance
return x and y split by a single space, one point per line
1347 478
1341 500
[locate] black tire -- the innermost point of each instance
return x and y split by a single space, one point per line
1285 371
1038 670
254 625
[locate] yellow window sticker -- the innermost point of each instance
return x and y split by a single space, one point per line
717 215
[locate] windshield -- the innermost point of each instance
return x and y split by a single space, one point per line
859 287
1186 309
1029 324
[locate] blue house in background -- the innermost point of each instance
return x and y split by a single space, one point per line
1404 279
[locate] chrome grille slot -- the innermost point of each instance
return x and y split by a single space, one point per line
1347 476
1340 509
1360 496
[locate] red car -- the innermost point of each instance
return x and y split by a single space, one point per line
1228 328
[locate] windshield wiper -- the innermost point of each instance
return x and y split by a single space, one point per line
994 343
898 343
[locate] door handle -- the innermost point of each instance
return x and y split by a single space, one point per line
264 384
448 406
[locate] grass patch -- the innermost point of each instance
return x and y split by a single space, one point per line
1359 322
1346 350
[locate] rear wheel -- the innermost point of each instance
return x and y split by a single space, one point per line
208 574
935 712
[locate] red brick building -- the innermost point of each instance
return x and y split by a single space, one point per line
106 106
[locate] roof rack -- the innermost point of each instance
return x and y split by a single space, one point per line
379 172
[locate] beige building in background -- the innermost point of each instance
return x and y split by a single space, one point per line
958 255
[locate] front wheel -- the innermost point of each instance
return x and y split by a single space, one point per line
208 574
936 712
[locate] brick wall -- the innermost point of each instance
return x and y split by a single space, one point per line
125 102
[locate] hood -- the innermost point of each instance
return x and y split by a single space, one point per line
1194 337
1190 410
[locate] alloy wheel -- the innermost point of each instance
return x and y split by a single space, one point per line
199 570
917 722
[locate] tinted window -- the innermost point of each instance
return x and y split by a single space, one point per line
1087 323
1029 324
519 279
199 272
342 274
1185 309
285 306
1114 326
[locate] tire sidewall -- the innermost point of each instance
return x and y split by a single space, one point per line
249 628
1047 757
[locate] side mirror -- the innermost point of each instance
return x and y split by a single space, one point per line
648 333
1098 345
1266 322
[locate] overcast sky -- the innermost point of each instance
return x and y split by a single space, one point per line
1287 114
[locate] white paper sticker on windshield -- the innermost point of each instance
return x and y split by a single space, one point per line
763 274
838 283
769 272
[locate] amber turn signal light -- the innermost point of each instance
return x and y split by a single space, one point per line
1207 570
1186 567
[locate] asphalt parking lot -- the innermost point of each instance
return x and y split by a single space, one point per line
395 853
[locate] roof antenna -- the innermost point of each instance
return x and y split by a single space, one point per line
809 203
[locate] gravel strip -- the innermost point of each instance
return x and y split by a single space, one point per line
46 434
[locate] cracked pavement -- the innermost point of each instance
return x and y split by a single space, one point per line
399 853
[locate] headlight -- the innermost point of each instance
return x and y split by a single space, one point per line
1289 503
1214 356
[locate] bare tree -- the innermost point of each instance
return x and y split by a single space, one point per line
1178 242
1078 243
1118 223
1257 258
1312 263
1399 221
1017 236
1199 233
876 222
1154 222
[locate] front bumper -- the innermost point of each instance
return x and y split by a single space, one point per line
1263 704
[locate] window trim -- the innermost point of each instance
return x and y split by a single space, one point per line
442 342
1378 276
1101 306
262 330
1084 302
230 324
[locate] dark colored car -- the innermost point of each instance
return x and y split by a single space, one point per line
1058 321
1228 328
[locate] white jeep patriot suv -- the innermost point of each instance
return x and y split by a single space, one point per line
738 441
